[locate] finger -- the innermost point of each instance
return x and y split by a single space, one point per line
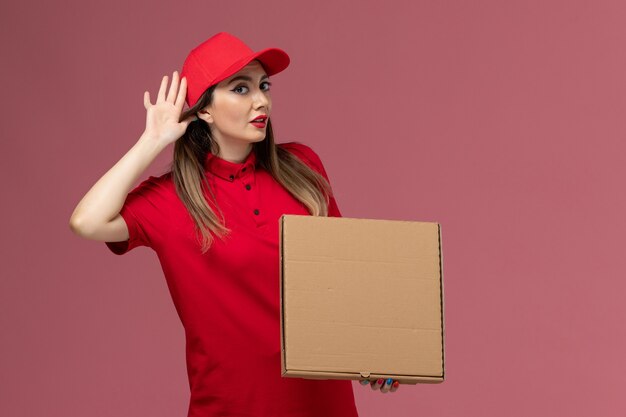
146 100
377 383
173 88
162 89
182 92
364 382
394 386
386 386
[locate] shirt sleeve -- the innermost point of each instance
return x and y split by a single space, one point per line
312 159
140 214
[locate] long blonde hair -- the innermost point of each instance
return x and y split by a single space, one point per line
188 174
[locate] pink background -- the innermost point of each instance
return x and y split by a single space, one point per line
504 121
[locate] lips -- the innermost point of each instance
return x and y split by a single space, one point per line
260 119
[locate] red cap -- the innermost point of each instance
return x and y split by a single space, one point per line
221 56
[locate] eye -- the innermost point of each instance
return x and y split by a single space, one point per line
239 87
236 89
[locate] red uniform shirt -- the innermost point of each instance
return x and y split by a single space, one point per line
228 298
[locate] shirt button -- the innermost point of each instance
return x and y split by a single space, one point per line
248 186
232 177
256 211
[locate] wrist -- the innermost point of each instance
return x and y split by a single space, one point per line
151 143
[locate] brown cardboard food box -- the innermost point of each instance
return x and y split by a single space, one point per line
361 298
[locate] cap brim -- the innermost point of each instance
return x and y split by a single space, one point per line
274 60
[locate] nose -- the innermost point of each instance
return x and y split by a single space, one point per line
261 99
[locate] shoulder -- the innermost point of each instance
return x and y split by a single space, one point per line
304 153
152 186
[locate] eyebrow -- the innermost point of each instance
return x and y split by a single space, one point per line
246 78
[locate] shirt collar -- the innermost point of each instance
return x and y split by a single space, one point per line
230 170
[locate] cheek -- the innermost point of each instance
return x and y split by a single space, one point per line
234 113
227 110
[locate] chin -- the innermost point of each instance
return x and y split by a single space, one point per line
259 139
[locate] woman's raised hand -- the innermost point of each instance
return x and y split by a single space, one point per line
163 118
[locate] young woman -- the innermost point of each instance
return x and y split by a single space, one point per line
212 220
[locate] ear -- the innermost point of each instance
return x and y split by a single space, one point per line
205 115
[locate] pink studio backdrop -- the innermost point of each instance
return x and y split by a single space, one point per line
504 121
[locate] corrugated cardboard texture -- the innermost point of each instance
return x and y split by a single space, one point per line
361 298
